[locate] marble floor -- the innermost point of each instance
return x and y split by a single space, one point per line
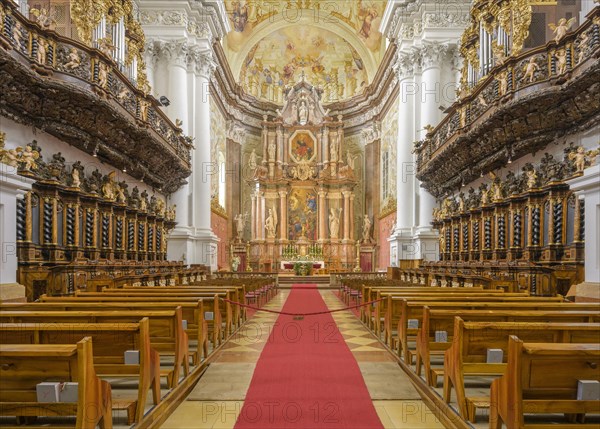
216 400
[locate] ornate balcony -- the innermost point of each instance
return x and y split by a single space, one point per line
525 102
80 95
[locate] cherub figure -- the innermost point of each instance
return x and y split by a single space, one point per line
28 158
42 50
106 46
42 17
144 110
580 158
499 54
530 68
560 30
502 79
122 95
481 100
102 75
17 35
561 61
74 59
583 45
75 178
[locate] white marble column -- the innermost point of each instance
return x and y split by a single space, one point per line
254 215
401 245
431 96
586 187
171 56
203 165
13 187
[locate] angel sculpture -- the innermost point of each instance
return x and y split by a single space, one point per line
482 101
580 158
102 75
106 46
561 61
17 35
74 59
28 158
496 186
42 50
42 17
530 68
560 30
583 45
499 53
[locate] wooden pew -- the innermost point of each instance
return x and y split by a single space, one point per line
443 320
391 304
166 329
526 387
111 340
216 325
467 354
232 293
413 309
23 366
193 312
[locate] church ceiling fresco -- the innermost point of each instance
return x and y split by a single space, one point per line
335 44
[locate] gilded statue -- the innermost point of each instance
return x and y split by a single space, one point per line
106 46
160 207
530 68
581 158
28 158
144 110
74 59
561 61
9 157
496 187
144 201
560 30
121 197
499 53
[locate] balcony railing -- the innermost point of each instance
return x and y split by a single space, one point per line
499 120
140 136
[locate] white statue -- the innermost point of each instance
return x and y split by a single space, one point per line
271 223
240 224
333 148
303 113
271 149
367 229
334 222
252 162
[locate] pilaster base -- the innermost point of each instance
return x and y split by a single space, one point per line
585 292
408 243
193 246
12 292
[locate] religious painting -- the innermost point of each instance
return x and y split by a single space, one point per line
302 146
302 214
320 56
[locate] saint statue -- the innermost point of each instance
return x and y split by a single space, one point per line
240 224
367 229
334 222
252 162
271 223
271 149
303 113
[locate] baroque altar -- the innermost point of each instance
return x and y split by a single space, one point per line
304 185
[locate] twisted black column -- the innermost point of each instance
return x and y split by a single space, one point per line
21 218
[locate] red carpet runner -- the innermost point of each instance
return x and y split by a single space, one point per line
306 376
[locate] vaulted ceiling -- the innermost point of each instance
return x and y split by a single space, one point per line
334 44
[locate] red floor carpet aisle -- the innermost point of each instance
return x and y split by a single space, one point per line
306 376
